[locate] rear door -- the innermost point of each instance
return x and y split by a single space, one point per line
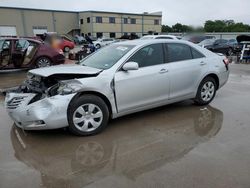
146 86
187 66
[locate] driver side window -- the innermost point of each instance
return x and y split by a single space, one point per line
149 56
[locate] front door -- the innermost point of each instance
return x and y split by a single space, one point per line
5 53
146 86
18 54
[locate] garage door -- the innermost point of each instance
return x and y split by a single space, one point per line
39 31
8 31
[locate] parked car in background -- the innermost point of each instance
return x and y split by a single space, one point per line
79 39
22 53
103 42
237 46
63 42
120 79
66 45
224 46
206 42
197 38
131 36
159 37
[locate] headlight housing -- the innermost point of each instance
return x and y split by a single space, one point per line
69 87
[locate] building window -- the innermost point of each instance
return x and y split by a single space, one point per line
111 19
81 21
89 34
133 21
99 35
112 35
98 19
125 20
157 22
88 20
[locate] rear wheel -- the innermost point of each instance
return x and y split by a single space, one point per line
88 115
43 62
66 49
206 91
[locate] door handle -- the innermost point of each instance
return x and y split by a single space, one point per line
162 71
203 63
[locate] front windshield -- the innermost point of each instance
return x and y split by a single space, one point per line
106 57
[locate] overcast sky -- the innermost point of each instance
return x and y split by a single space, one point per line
190 12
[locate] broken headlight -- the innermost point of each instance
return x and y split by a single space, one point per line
69 87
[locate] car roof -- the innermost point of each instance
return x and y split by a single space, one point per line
18 38
155 36
140 43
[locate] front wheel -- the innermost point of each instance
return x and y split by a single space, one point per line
206 91
87 115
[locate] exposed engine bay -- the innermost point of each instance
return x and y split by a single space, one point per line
49 86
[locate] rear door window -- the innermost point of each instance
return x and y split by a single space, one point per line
178 52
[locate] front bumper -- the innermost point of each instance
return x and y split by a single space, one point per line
47 113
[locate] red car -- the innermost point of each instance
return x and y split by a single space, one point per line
23 53
66 45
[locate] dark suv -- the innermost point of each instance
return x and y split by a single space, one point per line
227 47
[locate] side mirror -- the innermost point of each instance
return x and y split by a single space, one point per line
130 66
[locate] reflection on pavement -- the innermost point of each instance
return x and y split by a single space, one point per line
130 146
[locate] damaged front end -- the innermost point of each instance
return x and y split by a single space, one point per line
42 102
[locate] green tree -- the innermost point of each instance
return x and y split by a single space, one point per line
225 26
166 29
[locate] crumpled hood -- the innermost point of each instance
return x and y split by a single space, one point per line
65 69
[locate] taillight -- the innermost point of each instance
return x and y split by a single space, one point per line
226 61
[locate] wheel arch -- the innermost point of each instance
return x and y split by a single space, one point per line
215 77
102 96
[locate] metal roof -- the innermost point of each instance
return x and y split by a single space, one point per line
91 11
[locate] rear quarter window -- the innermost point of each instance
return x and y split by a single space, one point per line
196 54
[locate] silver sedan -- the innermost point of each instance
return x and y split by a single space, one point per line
117 80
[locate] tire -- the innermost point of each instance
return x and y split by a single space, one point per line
98 46
87 115
43 62
66 49
206 91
